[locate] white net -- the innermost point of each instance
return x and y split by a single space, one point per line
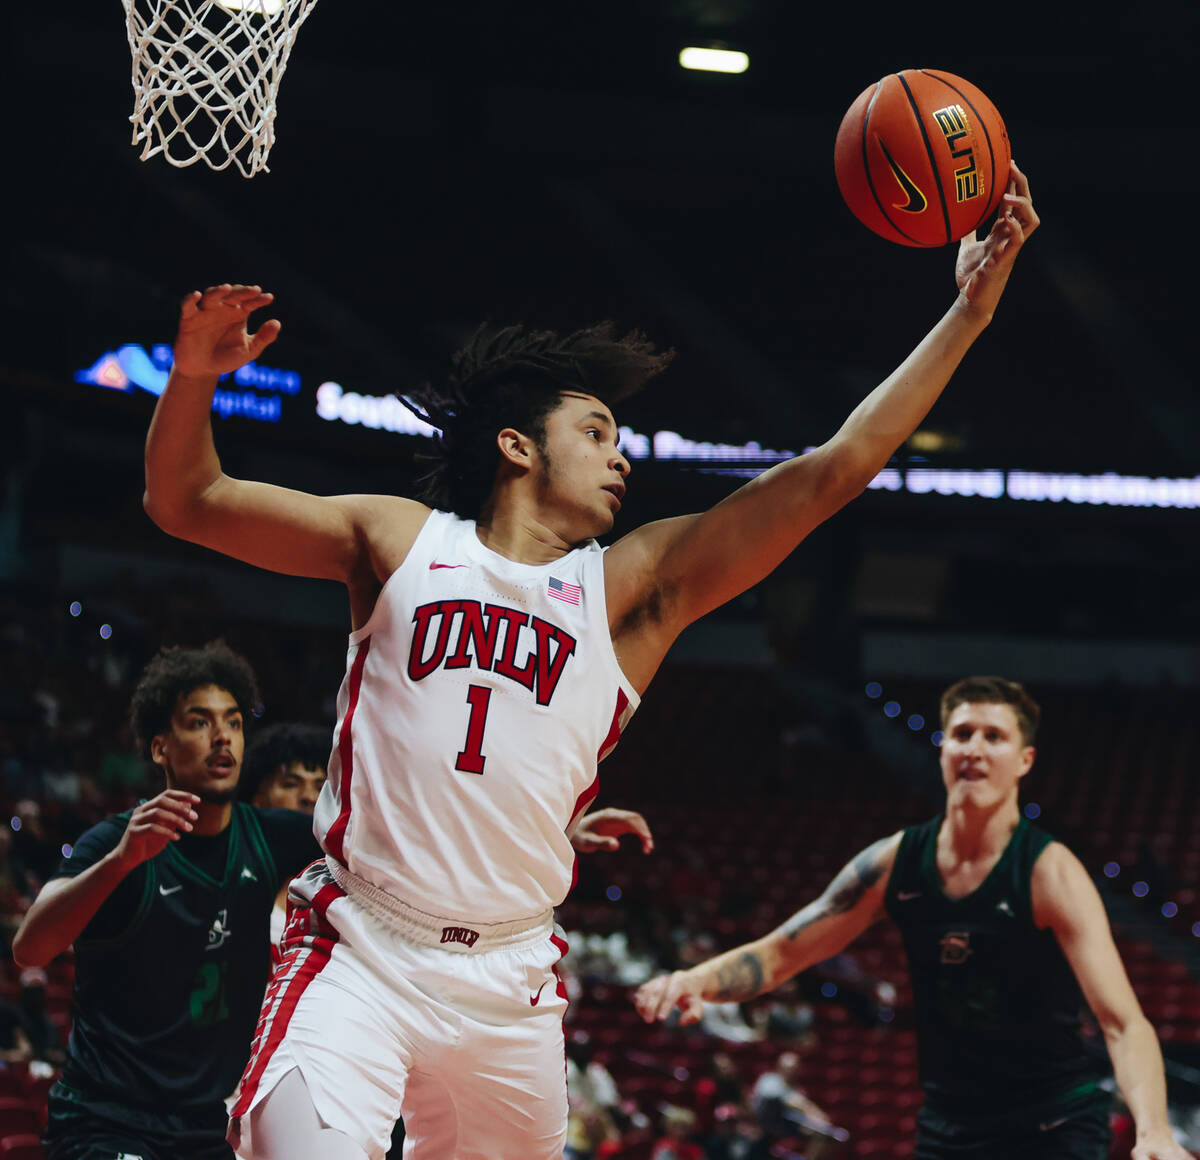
206 77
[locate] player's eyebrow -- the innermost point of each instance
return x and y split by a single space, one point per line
600 417
205 711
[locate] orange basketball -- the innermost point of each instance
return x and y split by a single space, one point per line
922 157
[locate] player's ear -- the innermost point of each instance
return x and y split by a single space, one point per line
515 448
1027 756
158 750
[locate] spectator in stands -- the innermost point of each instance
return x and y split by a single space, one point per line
787 1016
168 907
726 1021
1008 945
783 1108
14 893
45 1044
592 1099
869 999
736 1135
678 1126
693 940
721 1086
34 854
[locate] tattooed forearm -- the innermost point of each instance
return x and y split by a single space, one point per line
741 979
845 891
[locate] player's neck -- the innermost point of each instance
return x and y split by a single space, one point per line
974 834
212 818
513 527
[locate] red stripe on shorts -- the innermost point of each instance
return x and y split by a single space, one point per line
300 966
336 835
561 943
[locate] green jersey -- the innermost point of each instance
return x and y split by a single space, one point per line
1003 1030
170 974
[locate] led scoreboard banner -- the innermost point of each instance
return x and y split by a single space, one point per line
265 394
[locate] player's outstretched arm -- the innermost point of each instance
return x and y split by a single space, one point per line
64 906
189 496
693 564
1066 901
849 904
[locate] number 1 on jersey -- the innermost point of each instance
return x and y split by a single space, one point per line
471 759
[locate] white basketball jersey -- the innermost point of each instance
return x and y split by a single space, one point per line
478 700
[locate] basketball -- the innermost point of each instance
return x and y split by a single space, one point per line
922 157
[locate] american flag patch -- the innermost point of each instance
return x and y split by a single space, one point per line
561 590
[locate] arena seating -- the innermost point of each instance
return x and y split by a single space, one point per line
747 830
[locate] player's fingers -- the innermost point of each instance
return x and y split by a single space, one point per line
1020 181
690 1009
185 806
190 304
669 997
180 795
243 294
645 999
150 814
163 831
266 334
213 294
638 825
162 819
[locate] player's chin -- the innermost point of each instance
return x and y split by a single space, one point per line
217 795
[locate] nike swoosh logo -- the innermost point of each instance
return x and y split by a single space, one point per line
435 566
1053 1124
916 199
907 896
164 891
533 999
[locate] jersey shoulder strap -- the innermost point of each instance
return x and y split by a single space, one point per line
907 877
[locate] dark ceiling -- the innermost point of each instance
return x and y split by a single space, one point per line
435 165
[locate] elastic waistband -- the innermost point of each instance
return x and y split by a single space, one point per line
431 930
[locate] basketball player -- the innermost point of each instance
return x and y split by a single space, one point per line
1008 945
285 770
168 908
496 654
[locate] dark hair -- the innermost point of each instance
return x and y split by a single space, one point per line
994 691
176 671
513 377
281 745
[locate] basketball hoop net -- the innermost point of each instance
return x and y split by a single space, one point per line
206 76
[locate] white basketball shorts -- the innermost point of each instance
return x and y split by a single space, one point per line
388 1012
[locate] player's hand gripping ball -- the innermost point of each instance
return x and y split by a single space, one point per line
922 157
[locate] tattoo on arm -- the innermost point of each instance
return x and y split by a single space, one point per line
845 891
740 979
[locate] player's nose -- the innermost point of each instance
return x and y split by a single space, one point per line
620 464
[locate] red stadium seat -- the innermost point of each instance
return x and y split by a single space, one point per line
23 1146
17 1117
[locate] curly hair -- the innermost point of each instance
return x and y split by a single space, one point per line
513 377
278 746
994 691
176 671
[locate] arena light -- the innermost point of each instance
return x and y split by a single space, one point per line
722 60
